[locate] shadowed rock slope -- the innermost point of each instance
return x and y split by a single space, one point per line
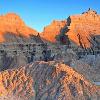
51 31
50 80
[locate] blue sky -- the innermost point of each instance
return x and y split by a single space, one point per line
39 13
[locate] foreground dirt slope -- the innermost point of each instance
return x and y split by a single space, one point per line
49 80
16 82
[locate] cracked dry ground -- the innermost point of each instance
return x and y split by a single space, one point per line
46 81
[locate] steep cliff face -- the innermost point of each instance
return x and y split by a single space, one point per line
82 27
59 81
51 31
51 81
12 23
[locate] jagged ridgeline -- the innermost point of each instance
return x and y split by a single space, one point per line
46 58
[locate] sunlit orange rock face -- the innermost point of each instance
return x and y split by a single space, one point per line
82 26
51 31
12 23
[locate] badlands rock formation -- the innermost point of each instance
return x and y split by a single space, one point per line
82 27
51 31
47 81
91 70
79 28
50 80
12 23
16 82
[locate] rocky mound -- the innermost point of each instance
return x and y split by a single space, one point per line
52 81
12 23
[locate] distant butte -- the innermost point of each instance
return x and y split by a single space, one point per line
83 26
47 81
51 31
12 23
78 28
